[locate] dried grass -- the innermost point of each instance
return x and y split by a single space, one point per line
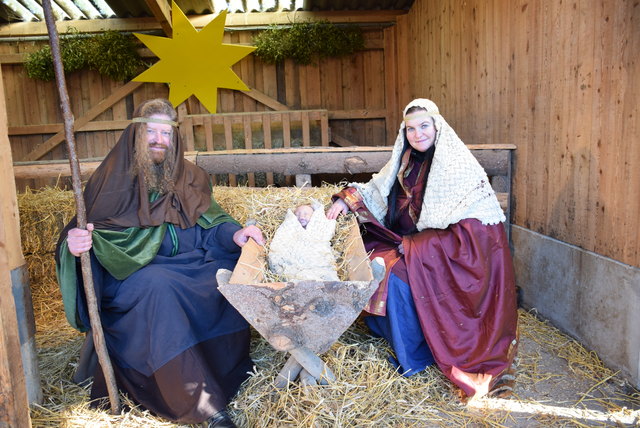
367 393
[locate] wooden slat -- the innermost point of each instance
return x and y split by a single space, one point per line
53 128
14 406
228 136
248 143
358 114
324 129
306 135
268 144
13 391
391 79
286 130
266 100
208 133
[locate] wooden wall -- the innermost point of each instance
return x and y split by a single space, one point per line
559 79
354 89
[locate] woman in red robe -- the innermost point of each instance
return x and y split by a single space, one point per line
449 293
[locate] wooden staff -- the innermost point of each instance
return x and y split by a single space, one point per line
81 215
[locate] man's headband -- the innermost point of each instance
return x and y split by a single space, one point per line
154 120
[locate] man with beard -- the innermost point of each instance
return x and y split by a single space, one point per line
157 239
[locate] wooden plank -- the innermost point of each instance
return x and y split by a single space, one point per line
248 143
292 84
356 255
315 160
251 260
188 133
247 70
306 134
324 129
286 131
51 169
233 20
269 82
291 162
266 100
52 142
14 404
162 12
228 136
311 80
358 114
268 144
10 224
208 133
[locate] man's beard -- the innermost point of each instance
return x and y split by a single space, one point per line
157 176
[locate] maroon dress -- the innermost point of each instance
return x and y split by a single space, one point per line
461 284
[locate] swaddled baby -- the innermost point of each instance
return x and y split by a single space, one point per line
301 246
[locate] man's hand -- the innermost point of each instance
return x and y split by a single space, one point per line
338 207
242 236
79 240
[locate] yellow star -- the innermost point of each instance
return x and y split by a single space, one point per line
194 62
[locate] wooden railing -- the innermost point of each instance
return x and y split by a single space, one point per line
255 130
303 162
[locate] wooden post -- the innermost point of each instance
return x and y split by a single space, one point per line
19 378
14 406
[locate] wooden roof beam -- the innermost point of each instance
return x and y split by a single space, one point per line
236 21
162 12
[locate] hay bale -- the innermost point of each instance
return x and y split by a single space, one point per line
367 392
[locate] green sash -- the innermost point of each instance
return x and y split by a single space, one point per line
122 253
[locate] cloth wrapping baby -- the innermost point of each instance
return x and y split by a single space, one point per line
301 246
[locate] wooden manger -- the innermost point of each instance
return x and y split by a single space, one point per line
303 318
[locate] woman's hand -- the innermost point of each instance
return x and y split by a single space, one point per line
338 207
79 240
242 236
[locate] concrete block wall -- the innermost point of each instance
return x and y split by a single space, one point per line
592 298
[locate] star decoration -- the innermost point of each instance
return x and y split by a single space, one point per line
194 62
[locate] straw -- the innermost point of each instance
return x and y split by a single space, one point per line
558 381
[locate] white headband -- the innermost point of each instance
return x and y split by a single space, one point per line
154 120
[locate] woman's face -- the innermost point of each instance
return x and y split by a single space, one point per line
421 130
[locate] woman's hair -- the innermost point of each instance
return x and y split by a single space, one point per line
157 177
420 157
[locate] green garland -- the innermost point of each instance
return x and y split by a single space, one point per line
111 53
302 41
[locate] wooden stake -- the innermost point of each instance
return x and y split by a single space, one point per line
81 215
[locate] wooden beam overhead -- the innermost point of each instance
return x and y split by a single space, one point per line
236 21
162 12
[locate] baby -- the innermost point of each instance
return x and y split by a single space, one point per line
304 213
301 246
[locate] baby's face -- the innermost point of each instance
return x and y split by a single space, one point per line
303 213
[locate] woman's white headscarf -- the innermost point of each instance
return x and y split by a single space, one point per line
457 186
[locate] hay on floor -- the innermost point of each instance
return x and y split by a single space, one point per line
367 393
